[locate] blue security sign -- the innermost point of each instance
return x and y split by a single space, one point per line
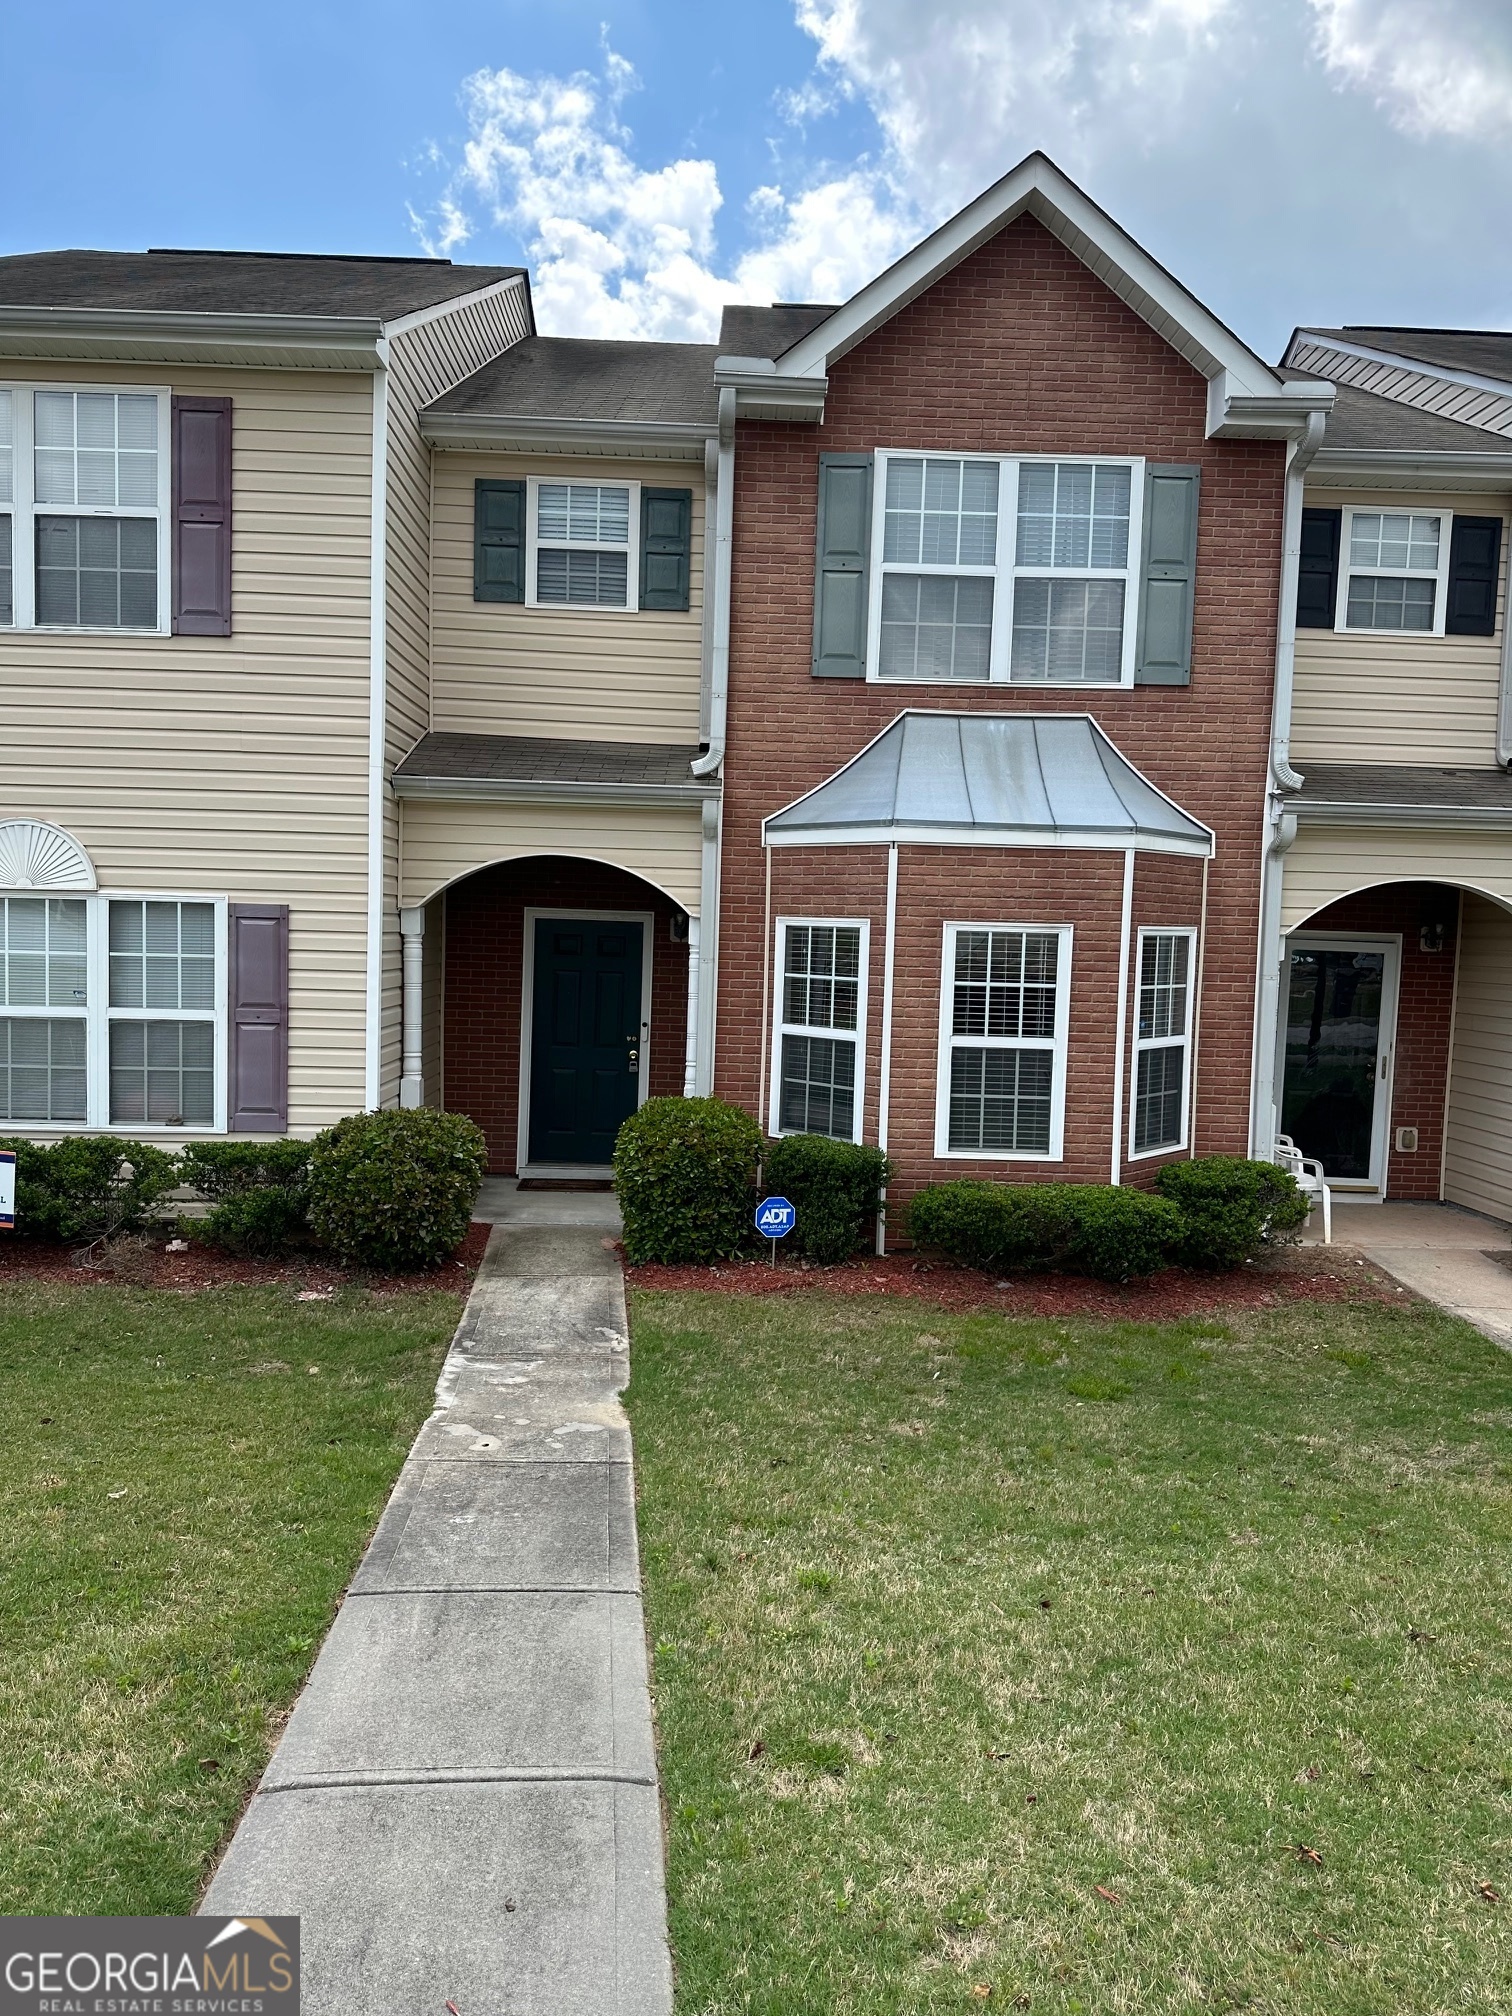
775 1217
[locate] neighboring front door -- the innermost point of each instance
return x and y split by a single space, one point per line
1336 1096
586 1035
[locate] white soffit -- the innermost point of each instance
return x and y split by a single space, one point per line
935 779
1038 188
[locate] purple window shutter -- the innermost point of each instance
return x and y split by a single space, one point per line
259 1077
201 517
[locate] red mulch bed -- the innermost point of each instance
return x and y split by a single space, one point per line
147 1263
1296 1274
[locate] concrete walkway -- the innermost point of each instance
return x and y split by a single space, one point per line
1440 1251
464 1805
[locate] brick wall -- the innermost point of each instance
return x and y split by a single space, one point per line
1020 349
1420 1072
485 941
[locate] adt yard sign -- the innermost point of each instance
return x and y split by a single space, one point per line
775 1218
8 1190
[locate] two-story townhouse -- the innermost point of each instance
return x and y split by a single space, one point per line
1003 638
214 647
1385 1040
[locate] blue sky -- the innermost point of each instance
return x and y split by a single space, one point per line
1291 160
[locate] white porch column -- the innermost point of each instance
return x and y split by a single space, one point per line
690 1052
412 938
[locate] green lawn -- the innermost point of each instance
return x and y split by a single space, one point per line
186 1483
958 1619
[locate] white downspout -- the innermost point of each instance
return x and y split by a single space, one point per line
884 1058
1280 826
1121 1021
412 944
690 1052
724 534
705 966
377 737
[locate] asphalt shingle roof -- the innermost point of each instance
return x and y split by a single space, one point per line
586 378
1486 351
1365 420
238 283
1406 784
768 332
538 759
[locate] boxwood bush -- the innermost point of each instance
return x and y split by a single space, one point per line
685 1171
258 1192
833 1184
1078 1228
90 1186
394 1190
1230 1207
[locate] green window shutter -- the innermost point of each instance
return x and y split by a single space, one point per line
666 560
840 574
498 540
1168 573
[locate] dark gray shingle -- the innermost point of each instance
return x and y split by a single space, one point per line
583 378
1486 351
1365 420
539 759
768 332
237 283
1406 784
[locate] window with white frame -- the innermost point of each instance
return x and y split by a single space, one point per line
1003 1022
112 1011
998 568
582 550
84 527
1162 1041
1396 569
821 1022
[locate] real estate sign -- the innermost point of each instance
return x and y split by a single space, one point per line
7 1189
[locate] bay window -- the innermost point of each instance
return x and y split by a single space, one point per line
84 519
817 1066
112 1011
1162 1041
1004 1016
998 568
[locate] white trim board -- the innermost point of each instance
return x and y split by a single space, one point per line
532 914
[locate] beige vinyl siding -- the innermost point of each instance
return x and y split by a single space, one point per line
1327 862
233 766
444 840
425 360
501 669
1478 1133
1369 697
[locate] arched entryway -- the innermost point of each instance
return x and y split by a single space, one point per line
563 1004
1394 1054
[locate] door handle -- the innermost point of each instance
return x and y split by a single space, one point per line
632 1058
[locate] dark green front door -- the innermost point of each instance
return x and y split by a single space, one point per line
585 1043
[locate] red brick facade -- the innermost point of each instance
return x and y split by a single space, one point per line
1420 1070
1019 350
485 941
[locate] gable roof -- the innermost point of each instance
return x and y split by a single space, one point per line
767 332
239 283
1487 352
1246 397
1367 420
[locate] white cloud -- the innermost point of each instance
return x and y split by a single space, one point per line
1444 69
621 250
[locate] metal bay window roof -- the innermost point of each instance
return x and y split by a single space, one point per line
990 780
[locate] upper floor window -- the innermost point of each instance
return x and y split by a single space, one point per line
1399 572
582 544
551 544
1394 580
995 568
84 521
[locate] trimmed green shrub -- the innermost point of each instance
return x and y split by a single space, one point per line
79 1189
1230 1207
833 1184
684 1170
259 1191
394 1190
1077 1228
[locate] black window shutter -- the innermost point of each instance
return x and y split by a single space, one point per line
666 561
1167 575
498 540
1318 570
259 977
201 439
840 573
1474 570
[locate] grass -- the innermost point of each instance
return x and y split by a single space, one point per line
1079 1668
186 1484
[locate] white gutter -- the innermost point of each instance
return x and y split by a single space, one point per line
377 735
719 643
1280 825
